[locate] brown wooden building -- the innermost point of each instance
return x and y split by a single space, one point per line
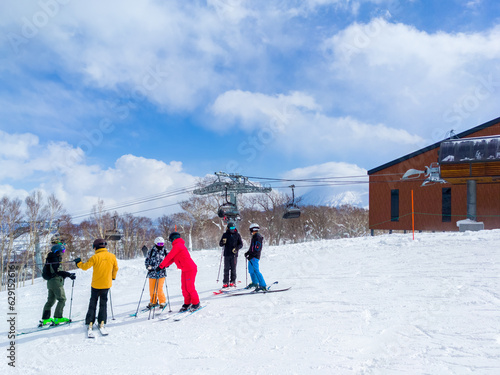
438 206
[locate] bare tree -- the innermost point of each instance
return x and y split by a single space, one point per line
10 217
135 231
36 214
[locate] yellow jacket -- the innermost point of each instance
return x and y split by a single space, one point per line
105 268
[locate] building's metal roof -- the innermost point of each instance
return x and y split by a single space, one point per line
433 146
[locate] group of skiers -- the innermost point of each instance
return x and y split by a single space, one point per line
105 268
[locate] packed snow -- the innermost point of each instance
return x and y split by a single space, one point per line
373 305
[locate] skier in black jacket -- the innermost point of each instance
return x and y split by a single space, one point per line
231 241
55 286
253 256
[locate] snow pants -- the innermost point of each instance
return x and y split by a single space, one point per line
230 262
55 288
100 295
156 290
253 270
188 289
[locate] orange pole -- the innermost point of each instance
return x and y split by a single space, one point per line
412 216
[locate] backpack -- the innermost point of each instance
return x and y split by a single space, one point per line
46 274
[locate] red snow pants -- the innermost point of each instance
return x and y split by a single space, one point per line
188 289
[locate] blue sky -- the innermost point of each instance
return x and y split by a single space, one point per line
124 99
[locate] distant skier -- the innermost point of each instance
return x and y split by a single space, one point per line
182 259
156 278
55 286
253 256
105 270
231 241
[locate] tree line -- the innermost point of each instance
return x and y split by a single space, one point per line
26 228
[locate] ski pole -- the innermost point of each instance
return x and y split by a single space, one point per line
111 303
71 303
168 297
140 299
246 272
220 264
155 299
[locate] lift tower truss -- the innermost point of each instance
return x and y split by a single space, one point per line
232 184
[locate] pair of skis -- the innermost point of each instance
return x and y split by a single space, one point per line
244 291
102 329
147 309
181 315
46 327
227 291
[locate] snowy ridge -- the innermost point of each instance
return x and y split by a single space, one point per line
370 305
333 198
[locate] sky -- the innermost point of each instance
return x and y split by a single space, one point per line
125 100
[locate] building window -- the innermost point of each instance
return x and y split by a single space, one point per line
395 205
446 205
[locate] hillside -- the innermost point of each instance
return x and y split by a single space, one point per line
371 305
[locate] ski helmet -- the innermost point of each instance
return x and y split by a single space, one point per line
231 226
99 243
254 227
159 241
58 247
173 236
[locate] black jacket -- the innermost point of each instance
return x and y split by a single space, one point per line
54 262
153 259
255 247
232 243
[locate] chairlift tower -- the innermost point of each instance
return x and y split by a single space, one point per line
232 184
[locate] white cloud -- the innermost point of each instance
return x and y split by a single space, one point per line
16 146
296 124
405 74
255 110
61 169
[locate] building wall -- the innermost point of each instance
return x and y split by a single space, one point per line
428 199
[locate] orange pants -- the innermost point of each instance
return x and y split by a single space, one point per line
159 296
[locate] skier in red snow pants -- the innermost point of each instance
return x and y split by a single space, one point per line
182 259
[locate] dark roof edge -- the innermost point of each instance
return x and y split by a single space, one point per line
433 146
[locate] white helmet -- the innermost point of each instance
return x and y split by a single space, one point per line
159 240
254 227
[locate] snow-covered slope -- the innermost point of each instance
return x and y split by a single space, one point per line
373 305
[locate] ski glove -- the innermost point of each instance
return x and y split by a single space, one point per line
77 260
235 251
150 268
72 276
158 269
247 254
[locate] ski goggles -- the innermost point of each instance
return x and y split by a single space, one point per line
232 228
160 244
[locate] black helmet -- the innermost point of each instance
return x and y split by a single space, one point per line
173 236
99 243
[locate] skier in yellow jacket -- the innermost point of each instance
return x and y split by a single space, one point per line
105 269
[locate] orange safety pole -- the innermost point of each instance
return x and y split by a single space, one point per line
412 216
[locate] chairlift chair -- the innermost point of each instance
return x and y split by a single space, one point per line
292 211
113 234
